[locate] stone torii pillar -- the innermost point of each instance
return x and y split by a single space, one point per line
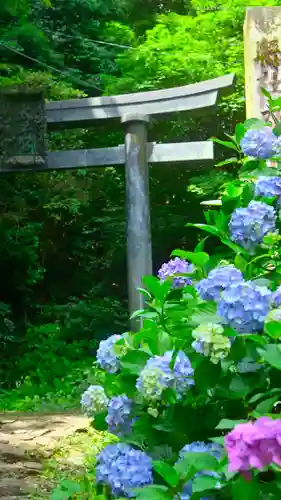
133 110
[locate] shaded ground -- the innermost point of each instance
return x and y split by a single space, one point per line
26 440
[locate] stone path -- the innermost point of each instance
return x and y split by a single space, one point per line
25 439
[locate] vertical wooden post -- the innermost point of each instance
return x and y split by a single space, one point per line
262 56
139 254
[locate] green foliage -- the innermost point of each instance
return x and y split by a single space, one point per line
241 385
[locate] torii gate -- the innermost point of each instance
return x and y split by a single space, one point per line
24 119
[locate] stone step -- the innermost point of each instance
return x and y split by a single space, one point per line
13 487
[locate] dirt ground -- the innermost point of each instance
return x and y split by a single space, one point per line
25 441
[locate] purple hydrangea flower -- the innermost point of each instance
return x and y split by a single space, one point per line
176 266
249 226
119 415
244 306
157 376
107 357
268 187
123 468
260 143
218 280
276 297
254 445
200 447
94 400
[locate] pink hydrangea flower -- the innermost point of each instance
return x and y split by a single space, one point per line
254 445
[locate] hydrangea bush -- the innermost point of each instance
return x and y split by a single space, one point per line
193 395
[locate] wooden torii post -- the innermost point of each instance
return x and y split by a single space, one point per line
133 111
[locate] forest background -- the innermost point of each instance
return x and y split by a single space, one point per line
63 235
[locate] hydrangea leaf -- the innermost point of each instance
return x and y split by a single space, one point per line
167 472
204 483
273 329
226 423
266 405
152 493
240 130
193 462
245 490
199 259
272 354
134 361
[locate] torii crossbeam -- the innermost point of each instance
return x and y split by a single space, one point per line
22 148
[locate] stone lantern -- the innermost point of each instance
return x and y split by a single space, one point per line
23 142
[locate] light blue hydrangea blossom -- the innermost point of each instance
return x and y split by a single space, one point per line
276 297
94 400
200 447
107 355
176 266
119 415
268 187
218 280
210 341
244 306
158 376
123 468
248 226
259 143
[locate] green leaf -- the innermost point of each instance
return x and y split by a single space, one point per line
207 228
204 483
254 123
266 405
134 361
273 329
167 472
240 386
226 144
226 423
272 354
228 161
234 247
200 246
239 132
152 284
196 462
277 129
197 258
266 93
245 490
240 262
233 191
153 492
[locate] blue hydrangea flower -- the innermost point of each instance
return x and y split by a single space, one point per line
158 376
94 400
259 143
200 447
244 306
176 266
276 297
123 468
218 280
107 355
268 187
248 226
119 415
